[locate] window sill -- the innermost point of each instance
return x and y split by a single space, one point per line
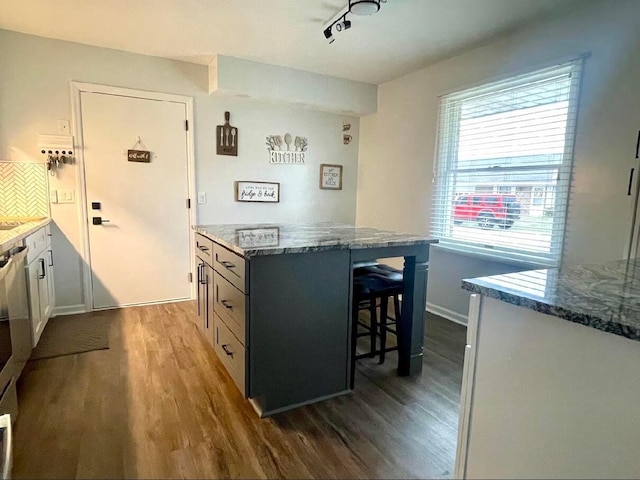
492 258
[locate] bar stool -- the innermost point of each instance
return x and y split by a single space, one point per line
373 285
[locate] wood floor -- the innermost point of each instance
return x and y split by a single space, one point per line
158 404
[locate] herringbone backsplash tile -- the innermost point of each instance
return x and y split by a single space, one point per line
23 190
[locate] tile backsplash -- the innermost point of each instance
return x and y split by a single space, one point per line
23 190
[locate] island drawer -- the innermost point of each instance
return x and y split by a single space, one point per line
204 248
230 352
229 304
231 266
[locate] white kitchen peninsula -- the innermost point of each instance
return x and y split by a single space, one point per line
550 383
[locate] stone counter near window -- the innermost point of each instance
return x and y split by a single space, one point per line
605 297
550 384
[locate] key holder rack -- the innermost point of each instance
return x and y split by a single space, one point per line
227 138
57 150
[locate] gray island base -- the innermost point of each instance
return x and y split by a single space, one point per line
294 327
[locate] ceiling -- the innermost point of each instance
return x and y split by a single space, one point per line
404 36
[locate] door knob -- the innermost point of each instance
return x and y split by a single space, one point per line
99 220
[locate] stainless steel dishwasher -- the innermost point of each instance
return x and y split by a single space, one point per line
8 398
18 299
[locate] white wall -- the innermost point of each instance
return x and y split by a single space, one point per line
397 143
296 87
34 94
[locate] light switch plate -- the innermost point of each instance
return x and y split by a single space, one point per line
65 196
53 196
64 127
202 198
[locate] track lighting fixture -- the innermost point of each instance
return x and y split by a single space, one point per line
343 25
364 7
328 35
355 7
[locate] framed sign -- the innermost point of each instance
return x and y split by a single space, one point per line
330 176
143 156
257 192
258 237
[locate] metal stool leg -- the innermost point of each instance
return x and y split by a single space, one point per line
396 307
384 305
373 319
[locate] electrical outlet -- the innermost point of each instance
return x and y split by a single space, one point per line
202 198
64 128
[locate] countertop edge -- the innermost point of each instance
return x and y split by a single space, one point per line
248 252
587 320
33 226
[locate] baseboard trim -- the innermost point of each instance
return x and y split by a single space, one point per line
69 310
264 414
446 313
155 302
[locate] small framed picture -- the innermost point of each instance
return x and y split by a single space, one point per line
257 192
330 176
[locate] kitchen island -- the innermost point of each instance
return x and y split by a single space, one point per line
275 302
550 384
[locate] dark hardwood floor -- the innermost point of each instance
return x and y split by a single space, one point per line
158 404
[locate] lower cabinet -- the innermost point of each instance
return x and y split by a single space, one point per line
205 298
222 306
280 333
230 352
42 298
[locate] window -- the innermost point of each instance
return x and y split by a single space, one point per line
509 146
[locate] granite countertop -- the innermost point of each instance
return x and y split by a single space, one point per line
275 239
26 226
605 297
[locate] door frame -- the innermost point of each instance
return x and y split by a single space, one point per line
77 88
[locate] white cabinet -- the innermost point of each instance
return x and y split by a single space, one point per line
543 397
40 273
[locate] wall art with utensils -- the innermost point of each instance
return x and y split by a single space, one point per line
227 138
291 151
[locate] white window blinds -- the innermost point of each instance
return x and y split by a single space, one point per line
503 166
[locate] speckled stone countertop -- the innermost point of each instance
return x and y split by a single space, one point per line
24 228
275 239
605 297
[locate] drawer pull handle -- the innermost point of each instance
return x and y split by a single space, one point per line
226 350
202 248
202 279
226 304
228 265
44 272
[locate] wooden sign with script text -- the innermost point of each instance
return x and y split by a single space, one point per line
257 192
143 156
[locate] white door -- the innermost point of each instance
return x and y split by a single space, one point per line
140 253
